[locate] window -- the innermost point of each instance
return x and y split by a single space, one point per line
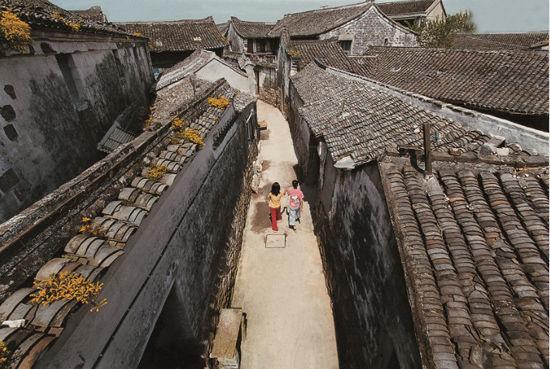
250 46
345 44
261 46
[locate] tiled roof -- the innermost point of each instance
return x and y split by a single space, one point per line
43 14
326 51
315 22
503 81
399 8
473 241
182 35
95 13
252 29
115 223
499 41
361 120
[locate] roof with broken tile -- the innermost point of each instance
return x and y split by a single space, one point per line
248 29
94 13
315 22
502 81
181 35
328 52
500 41
41 14
116 216
473 241
402 8
361 120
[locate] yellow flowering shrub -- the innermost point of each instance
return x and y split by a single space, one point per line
218 102
156 172
177 123
294 53
67 286
87 227
148 122
75 26
14 31
138 34
191 135
4 355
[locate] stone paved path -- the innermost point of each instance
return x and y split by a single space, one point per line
282 290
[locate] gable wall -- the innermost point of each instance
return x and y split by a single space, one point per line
373 29
236 42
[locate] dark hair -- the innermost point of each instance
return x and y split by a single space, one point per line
276 188
295 184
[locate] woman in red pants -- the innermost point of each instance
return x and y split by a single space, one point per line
274 202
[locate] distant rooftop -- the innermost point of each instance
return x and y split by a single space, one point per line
502 81
400 8
95 13
315 22
180 35
252 29
500 41
328 52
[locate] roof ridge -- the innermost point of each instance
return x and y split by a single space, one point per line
365 3
405 2
446 50
254 22
201 20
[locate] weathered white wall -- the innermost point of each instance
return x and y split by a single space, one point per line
56 135
437 12
216 69
373 29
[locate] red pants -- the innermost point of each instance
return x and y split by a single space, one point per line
275 215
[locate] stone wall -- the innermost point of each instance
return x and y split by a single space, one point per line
364 275
373 29
187 248
56 105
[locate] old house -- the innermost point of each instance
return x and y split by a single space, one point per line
64 84
94 13
432 221
534 41
252 38
354 26
413 13
207 66
173 41
123 222
505 83
295 55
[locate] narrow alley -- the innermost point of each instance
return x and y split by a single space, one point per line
280 285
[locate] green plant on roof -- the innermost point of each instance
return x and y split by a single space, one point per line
67 286
294 53
4 356
177 123
191 135
15 32
73 25
218 102
156 172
